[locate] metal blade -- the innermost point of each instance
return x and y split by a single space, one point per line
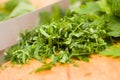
9 30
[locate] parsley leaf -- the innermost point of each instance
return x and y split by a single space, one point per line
20 9
88 8
14 8
113 26
113 51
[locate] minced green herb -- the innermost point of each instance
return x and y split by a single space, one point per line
3 67
80 33
71 37
44 67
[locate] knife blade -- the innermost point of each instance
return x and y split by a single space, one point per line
10 29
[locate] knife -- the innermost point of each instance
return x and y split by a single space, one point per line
10 29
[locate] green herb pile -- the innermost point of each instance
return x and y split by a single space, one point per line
14 8
91 28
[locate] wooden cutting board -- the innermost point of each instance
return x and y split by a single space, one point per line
98 68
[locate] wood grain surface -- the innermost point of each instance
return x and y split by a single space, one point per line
98 68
